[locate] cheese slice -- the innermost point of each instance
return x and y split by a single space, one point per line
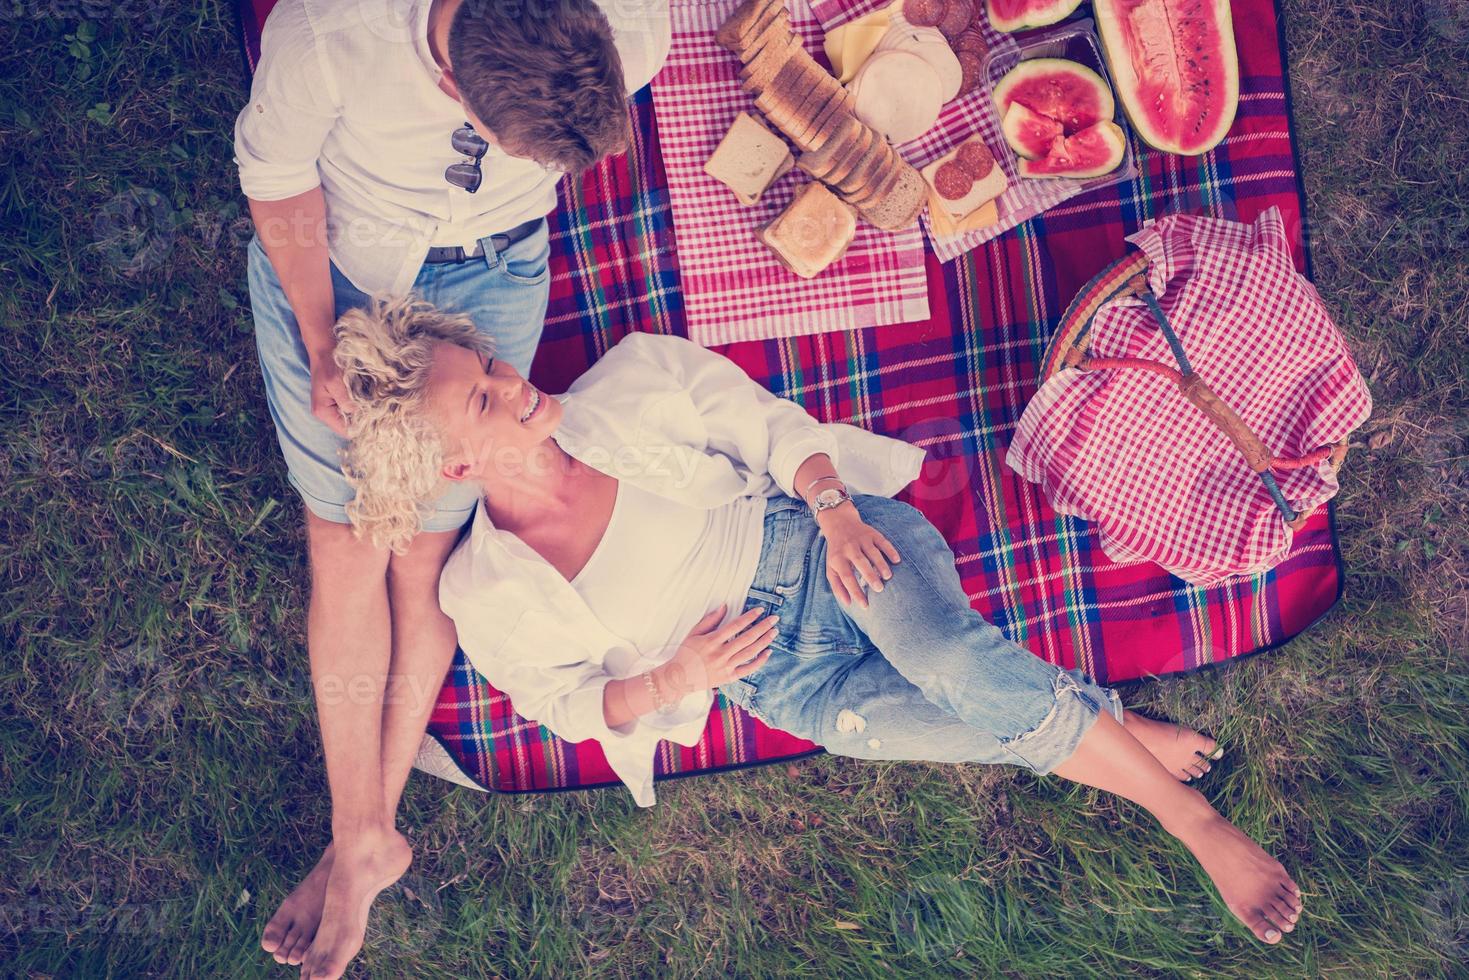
850 44
944 226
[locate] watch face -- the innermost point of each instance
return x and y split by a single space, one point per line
829 498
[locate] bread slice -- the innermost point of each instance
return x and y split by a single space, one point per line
843 132
901 205
867 168
855 154
749 159
810 107
880 182
793 81
812 232
744 20
778 25
762 68
803 139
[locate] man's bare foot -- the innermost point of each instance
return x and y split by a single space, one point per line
1185 753
360 870
1253 884
289 932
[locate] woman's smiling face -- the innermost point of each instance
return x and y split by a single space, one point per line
487 414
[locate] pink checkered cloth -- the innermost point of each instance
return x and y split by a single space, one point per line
734 288
1124 449
962 118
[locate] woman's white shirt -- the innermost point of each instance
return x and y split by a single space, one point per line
662 566
681 423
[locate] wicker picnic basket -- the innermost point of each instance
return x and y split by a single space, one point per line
1069 348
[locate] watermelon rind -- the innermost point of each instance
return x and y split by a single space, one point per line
1037 68
1031 13
1110 15
1107 132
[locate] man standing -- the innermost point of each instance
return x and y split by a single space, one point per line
403 146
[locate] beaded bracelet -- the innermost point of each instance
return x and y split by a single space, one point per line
659 705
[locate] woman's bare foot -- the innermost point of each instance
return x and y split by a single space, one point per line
360 870
1253 884
289 932
1185 753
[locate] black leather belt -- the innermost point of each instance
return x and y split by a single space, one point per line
441 254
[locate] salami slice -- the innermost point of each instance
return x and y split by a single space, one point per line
957 18
924 13
952 182
971 40
972 67
975 159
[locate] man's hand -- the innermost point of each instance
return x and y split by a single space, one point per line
330 400
856 552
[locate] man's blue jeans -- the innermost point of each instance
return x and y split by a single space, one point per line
504 294
918 674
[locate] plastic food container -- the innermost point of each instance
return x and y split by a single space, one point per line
1075 41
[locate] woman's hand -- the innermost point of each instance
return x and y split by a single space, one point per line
710 657
856 552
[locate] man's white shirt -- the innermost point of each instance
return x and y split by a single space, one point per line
346 96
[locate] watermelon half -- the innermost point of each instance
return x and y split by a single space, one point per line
1176 69
1017 15
1070 93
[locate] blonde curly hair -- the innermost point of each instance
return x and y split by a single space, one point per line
394 455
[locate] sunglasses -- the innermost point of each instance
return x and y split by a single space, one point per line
467 176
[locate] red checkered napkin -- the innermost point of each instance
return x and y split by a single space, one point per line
1125 450
966 116
734 288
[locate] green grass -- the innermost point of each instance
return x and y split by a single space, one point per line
150 546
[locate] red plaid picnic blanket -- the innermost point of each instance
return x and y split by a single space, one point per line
1125 450
734 288
956 383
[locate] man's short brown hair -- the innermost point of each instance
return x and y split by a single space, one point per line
544 76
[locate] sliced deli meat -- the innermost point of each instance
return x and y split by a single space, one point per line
924 13
898 94
930 45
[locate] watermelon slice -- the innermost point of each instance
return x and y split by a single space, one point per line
1094 151
1029 133
1176 69
1017 15
1070 93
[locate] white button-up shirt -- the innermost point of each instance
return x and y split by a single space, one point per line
680 422
346 96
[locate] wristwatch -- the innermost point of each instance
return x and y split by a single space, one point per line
829 498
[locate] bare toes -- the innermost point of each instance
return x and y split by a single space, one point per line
1285 914
1264 930
298 951
1278 919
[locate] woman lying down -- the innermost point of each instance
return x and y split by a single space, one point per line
669 527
